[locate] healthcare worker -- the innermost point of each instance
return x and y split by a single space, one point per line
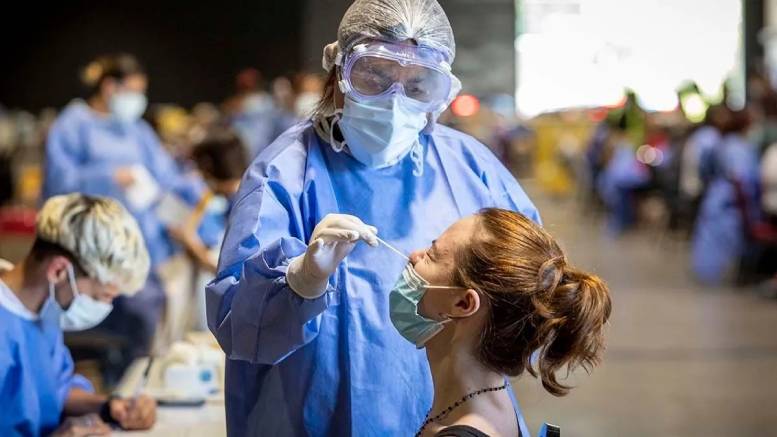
86 251
719 236
102 147
300 304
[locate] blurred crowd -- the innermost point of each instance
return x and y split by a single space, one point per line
707 172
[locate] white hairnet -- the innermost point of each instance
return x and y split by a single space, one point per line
102 236
423 21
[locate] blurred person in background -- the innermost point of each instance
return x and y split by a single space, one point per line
309 88
696 164
256 115
251 111
719 237
86 252
284 96
622 174
769 205
300 304
222 160
102 147
699 150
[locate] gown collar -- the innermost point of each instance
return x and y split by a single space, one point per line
10 301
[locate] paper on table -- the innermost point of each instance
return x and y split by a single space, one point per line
144 191
172 210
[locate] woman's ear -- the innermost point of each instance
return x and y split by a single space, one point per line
467 304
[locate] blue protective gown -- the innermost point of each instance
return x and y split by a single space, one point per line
719 236
36 375
335 365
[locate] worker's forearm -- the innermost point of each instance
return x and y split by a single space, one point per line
202 256
80 402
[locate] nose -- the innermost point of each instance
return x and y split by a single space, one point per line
416 256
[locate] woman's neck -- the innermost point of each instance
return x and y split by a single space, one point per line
456 372
31 293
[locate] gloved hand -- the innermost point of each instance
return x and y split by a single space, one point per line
332 240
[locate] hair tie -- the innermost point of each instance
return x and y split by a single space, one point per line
550 273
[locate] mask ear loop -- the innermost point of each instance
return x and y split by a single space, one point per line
71 275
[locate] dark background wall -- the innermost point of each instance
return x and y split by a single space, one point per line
192 50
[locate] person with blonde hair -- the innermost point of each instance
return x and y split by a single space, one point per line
87 251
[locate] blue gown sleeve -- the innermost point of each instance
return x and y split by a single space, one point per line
64 171
13 397
165 171
251 310
68 379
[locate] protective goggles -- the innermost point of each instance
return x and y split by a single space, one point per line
377 69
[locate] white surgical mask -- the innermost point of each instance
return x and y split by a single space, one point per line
84 311
380 133
128 106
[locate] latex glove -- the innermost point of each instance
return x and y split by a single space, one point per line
332 240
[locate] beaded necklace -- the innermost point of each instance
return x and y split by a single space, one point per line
455 405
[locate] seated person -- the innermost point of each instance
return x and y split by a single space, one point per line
221 159
87 250
491 298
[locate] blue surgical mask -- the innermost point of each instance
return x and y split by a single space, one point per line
380 133
403 307
128 106
84 311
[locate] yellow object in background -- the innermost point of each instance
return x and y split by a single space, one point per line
29 183
560 138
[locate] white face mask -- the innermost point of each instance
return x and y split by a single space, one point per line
84 311
128 106
380 133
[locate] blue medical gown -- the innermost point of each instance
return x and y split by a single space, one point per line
335 365
83 152
36 375
719 237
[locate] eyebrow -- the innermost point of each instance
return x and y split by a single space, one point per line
434 250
